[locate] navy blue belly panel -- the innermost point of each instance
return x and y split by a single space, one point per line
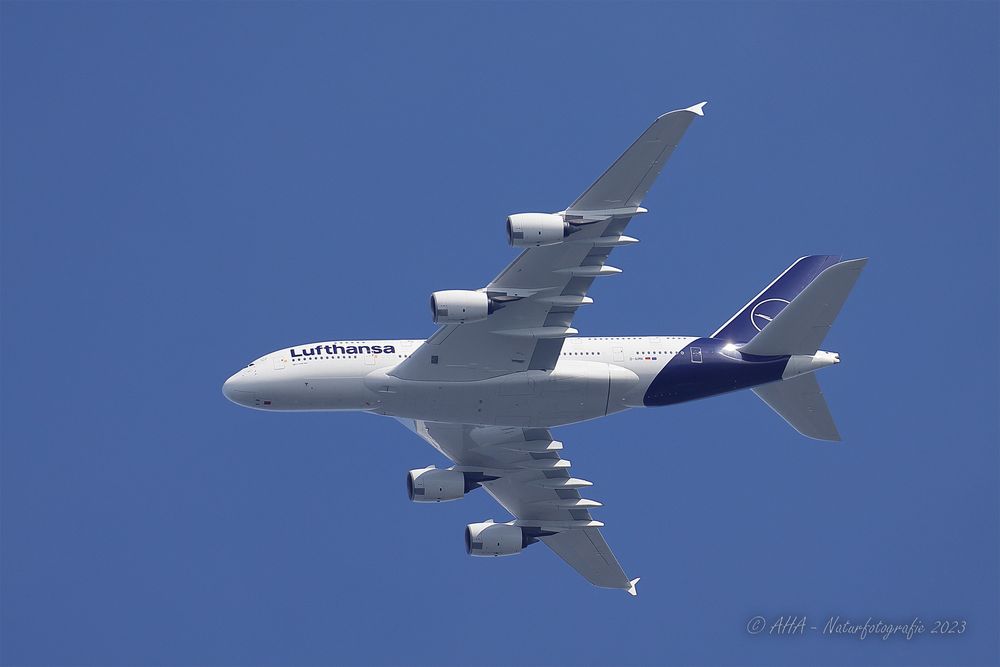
685 378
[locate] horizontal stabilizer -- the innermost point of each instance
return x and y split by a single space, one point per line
764 307
800 402
803 324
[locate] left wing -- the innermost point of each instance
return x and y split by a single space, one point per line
542 289
524 472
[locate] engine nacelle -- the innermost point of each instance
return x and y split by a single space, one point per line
493 539
455 306
430 485
528 230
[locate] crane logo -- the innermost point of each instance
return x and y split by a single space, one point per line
765 311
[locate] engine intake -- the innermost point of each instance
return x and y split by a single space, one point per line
529 230
456 306
494 539
430 485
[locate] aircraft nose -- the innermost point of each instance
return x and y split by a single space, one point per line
237 390
229 388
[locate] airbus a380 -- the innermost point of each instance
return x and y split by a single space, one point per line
506 365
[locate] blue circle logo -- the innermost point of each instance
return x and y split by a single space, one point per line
765 311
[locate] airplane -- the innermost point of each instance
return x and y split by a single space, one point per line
505 366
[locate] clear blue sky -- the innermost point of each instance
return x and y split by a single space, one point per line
187 186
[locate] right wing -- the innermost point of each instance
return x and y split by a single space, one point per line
543 287
532 482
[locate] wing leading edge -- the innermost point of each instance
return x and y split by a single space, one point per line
533 483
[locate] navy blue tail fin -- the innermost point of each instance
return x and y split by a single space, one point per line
763 308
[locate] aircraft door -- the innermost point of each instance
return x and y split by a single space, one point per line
617 354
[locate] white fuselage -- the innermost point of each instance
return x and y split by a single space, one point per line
593 377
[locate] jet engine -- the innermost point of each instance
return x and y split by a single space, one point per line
493 539
460 306
430 485
528 230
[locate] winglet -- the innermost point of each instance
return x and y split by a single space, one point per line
631 587
696 109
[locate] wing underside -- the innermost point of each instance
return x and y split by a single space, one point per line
544 286
533 483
